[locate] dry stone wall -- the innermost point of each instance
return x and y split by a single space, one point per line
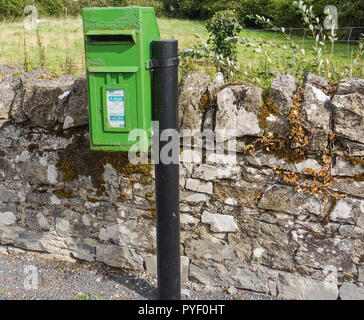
287 219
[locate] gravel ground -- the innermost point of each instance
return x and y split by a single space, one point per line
91 281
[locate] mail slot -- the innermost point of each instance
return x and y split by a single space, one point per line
117 52
109 38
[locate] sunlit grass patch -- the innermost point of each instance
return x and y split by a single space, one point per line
62 40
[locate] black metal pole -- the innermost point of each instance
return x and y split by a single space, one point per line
165 108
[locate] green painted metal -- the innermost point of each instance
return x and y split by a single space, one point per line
117 51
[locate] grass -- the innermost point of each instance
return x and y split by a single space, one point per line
88 296
62 40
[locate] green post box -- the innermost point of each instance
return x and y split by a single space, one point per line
117 51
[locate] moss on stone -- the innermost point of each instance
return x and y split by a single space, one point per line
149 194
63 194
282 148
245 196
267 108
78 160
68 168
123 197
355 160
92 200
290 155
205 102
320 236
359 177
152 213
326 218
32 147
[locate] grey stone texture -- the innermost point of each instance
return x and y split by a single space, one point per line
349 116
40 99
350 291
347 86
76 113
237 110
281 93
151 266
315 115
7 95
303 288
192 88
243 225
316 81
219 222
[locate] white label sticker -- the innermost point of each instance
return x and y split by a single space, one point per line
116 108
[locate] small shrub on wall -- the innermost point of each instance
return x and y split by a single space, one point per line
221 47
224 27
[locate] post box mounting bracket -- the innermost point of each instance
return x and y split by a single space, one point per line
162 63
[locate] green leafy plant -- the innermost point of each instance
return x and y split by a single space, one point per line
224 28
41 49
69 67
186 66
88 296
26 60
323 56
356 61
221 47
277 57
318 61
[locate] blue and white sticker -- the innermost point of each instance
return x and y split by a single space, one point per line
116 108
